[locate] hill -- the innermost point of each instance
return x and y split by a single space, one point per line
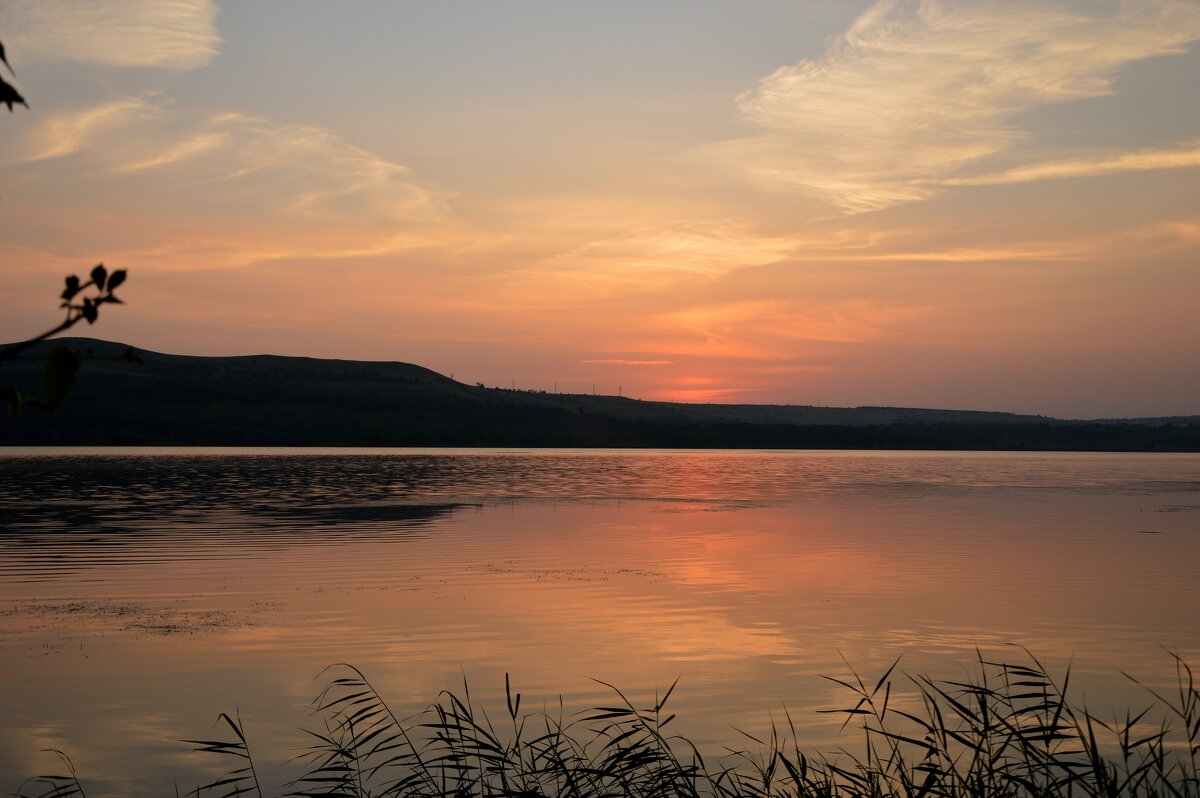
268 400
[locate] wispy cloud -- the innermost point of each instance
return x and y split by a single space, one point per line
697 395
68 133
273 191
1160 238
192 147
776 329
624 362
652 257
234 159
324 172
1181 157
175 34
918 89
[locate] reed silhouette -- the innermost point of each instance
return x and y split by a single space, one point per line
1009 731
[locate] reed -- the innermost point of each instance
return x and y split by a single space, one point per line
1008 731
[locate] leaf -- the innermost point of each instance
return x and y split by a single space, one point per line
72 288
99 275
90 311
513 707
10 96
115 279
4 58
11 397
58 378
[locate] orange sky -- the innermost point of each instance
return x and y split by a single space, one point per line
948 203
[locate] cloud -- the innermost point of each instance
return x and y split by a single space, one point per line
793 368
650 258
776 329
1182 157
323 172
193 147
1154 239
239 161
918 89
199 189
67 134
697 395
623 362
175 34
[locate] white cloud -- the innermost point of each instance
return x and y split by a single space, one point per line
918 89
176 34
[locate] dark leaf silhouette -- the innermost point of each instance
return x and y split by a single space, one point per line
114 280
59 786
12 400
72 288
99 275
239 781
10 96
89 310
58 377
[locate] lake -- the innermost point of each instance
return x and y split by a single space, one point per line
143 592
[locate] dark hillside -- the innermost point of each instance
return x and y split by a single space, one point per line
266 400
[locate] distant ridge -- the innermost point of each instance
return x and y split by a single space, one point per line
271 400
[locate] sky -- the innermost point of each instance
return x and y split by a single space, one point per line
983 204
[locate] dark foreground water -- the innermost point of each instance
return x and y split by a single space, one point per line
142 592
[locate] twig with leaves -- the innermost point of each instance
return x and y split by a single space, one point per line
62 364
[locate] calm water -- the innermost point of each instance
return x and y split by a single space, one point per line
144 592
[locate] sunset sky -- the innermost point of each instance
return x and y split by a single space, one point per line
987 204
